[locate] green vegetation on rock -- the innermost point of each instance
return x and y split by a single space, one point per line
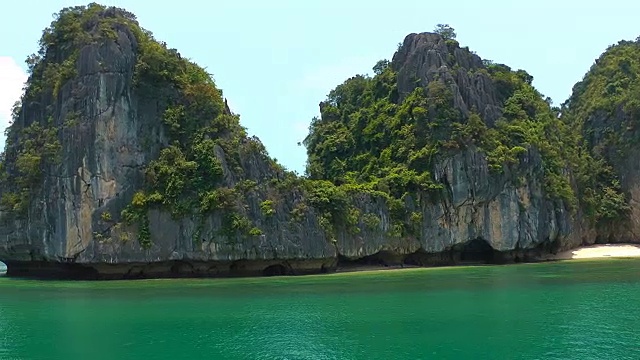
39 149
604 110
33 140
186 178
446 31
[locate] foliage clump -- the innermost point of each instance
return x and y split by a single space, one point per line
446 31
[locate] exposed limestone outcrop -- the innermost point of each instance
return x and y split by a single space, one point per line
103 156
118 131
426 57
509 217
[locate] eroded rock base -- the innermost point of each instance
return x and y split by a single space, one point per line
474 252
167 269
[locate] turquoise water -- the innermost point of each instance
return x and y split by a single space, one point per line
569 310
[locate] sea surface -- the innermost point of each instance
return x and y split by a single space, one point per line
562 310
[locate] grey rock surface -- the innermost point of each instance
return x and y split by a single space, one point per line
120 132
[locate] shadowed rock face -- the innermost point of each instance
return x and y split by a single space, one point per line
604 106
101 156
120 131
625 161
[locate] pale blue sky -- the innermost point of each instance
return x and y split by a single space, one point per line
276 60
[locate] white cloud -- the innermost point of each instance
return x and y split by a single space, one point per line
12 79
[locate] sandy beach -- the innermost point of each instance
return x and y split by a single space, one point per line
600 251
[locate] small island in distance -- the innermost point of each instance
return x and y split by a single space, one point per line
124 161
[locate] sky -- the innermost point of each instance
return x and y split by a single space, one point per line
276 60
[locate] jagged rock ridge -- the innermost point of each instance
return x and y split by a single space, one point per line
427 57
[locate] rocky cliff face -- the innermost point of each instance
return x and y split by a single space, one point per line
109 130
469 210
426 57
482 217
125 184
604 107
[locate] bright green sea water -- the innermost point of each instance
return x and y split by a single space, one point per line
570 310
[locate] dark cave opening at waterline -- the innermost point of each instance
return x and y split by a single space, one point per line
276 270
473 252
477 251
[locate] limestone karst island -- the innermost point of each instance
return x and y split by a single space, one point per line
445 207
125 161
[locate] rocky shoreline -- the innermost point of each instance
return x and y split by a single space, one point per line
221 269
385 260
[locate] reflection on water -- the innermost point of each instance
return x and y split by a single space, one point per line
574 310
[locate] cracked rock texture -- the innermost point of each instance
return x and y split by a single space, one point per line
427 57
120 132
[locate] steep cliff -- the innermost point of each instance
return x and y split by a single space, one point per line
124 161
605 108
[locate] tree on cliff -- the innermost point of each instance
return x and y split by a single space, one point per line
445 31
381 66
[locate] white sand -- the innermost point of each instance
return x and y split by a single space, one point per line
600 251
